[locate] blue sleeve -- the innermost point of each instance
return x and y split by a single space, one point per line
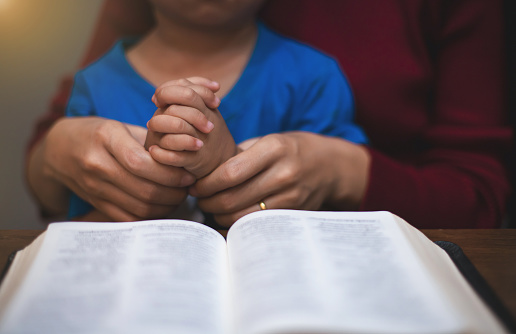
325 104
79 104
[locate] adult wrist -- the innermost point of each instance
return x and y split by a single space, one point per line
46 188
351 167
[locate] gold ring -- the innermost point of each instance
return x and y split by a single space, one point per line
262 205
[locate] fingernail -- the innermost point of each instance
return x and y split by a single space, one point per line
154 100
210 126
217 100
199 143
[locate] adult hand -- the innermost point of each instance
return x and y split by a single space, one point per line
296 170
104 162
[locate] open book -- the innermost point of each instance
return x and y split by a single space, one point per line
280 271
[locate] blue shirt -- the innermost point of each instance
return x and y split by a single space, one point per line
285 86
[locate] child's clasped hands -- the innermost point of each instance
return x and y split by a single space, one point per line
189 131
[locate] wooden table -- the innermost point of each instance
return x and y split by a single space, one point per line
493 252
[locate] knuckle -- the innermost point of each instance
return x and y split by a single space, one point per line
199 118
183 82
188 93
90 186
104 130
91 163
180 125
134 161
149 194
205 92
167 142
172 110
276 143
196 79
288 174
230 172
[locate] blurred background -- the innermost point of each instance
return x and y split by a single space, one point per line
40 41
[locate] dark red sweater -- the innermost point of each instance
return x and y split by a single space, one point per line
428 79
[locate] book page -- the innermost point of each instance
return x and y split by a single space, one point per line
17 271
480 318
143 277
302 272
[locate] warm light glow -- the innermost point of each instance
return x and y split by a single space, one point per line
4 4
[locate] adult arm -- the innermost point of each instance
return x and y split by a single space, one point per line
429 83
456 176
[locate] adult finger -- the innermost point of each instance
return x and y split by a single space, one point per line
280 178
241 196
292 197
239 168
133 157
104 177
121 206
132 205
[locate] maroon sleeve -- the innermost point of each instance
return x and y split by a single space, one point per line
116 19
428 80
459 180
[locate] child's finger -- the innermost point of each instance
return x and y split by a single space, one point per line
171 124
185 96
212 85
180 142
209 97
191 115
171 158
176 94
211 100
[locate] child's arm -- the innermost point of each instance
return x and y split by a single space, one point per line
189 131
